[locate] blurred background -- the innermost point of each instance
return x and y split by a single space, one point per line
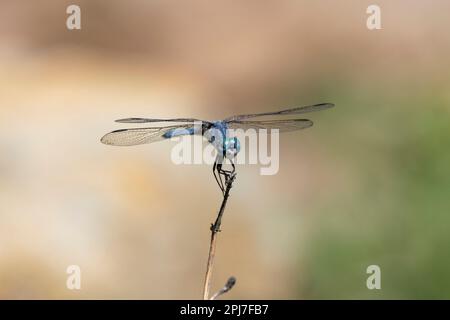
368 184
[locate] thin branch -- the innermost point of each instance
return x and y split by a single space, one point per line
215 228
230 284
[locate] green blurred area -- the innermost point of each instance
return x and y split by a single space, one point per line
398 217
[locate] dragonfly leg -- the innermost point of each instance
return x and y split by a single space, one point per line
226 173
229 172
221 173
218 179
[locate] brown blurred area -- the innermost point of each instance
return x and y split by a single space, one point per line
137 224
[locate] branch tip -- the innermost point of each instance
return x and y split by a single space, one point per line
228 286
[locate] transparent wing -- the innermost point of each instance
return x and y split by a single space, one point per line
282 125
146 120
135 136
297 110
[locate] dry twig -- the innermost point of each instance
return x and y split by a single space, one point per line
215 228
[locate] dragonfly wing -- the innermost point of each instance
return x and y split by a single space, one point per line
135 136
146 120
291 111
282 125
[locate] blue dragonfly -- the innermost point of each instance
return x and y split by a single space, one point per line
215 132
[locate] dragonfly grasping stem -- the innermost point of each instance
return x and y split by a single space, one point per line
215 228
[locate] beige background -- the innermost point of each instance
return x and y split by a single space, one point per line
368 184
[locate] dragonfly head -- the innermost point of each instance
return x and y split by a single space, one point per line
232 147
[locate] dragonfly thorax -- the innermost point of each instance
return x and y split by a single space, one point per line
226 147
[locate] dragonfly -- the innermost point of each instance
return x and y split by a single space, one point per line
215 132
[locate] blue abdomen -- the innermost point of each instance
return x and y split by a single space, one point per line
178 132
